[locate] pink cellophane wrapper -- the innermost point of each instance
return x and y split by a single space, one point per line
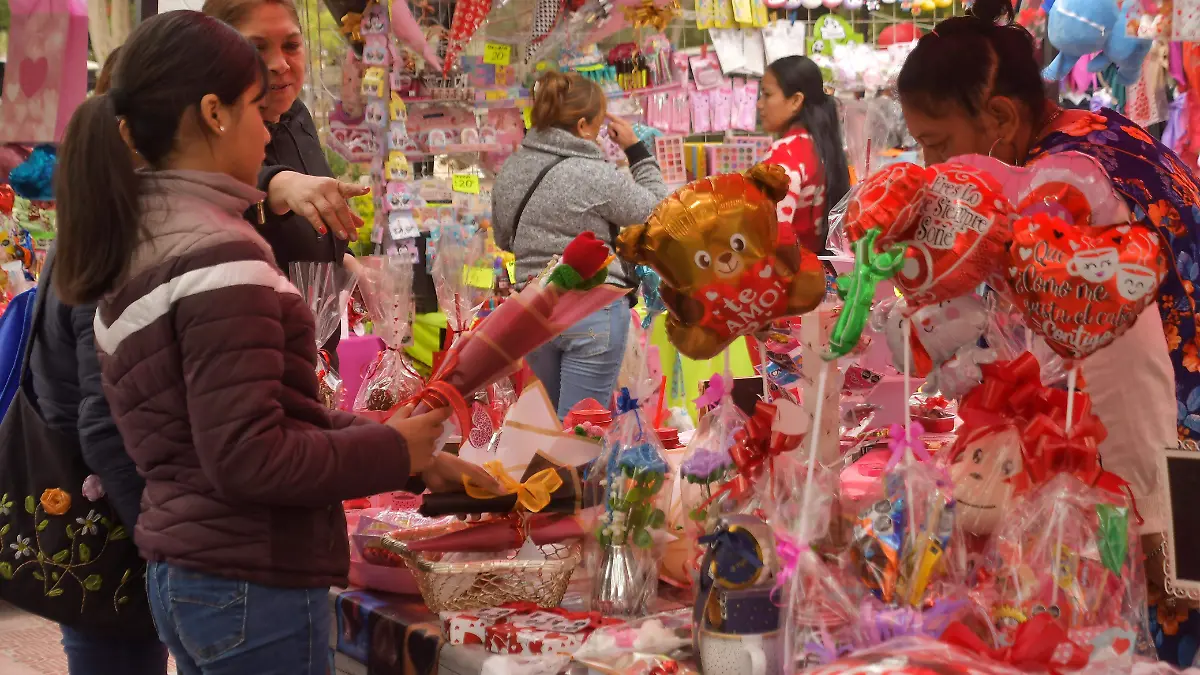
386 286
496 346
1072 551
324 287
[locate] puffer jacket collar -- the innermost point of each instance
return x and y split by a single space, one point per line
563 143
221 190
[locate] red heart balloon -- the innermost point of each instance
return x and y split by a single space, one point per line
964 224
7 199
890 199
1081 286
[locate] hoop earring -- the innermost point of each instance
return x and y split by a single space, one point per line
993 148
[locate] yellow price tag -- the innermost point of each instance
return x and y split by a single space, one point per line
497 95
465 183
527 113
480 277
541 65
497 54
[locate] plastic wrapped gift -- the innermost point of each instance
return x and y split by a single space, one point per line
631 475
325 288
386 286
708 464
915 656
1070 552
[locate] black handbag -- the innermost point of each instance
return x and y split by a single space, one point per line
62 556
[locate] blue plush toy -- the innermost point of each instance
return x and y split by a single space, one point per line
1079 27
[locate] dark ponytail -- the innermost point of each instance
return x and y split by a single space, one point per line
967 59
169 63
820 117
97 190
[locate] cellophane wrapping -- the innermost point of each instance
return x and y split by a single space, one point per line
1072 551
455 279
386 286
707 465
324 287
631 476
915 656
900 542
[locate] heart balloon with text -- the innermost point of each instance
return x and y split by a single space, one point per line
890 200
1081 286
962 229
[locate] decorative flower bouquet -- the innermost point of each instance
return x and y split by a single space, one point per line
324 287
629 476
708 464
572 290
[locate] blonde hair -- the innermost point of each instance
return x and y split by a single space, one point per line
562 100
235 12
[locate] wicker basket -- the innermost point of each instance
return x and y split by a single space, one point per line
458 586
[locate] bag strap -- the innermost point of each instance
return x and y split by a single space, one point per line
529 193
39 307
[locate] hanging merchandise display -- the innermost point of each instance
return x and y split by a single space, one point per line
46 70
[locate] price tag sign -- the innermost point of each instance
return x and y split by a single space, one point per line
497 95
497 54
466 183
527 113
480 277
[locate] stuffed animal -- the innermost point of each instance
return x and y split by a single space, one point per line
1080 27
724 273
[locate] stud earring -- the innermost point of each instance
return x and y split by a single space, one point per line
220 128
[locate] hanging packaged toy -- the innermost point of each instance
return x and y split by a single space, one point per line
386 285
701 115
325 288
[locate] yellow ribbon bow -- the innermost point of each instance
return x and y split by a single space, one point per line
533 494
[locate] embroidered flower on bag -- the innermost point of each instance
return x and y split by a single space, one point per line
88 525
22 548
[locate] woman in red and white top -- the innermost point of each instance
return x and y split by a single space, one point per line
793 103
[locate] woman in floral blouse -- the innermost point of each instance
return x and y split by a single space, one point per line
973 85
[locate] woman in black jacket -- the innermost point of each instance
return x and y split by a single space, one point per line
305 217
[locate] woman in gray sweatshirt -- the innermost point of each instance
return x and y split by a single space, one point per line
557 185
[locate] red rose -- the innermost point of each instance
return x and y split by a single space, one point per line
586 254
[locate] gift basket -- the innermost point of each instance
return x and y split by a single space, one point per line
462 581
386 286
324 287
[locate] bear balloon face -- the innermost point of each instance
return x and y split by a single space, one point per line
724 274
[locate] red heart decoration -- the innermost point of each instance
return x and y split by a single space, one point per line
33 75
890 199
7 199
958 242
481 427
1080 286
1121 645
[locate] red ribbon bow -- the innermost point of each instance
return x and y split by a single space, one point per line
754 449
1007 390
1032 649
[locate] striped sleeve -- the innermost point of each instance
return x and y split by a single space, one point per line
246 356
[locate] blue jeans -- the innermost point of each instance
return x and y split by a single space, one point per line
217 626
585 360
91 654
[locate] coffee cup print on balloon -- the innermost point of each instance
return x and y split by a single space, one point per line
1079 286
1096 266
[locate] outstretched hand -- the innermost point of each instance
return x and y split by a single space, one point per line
321 200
